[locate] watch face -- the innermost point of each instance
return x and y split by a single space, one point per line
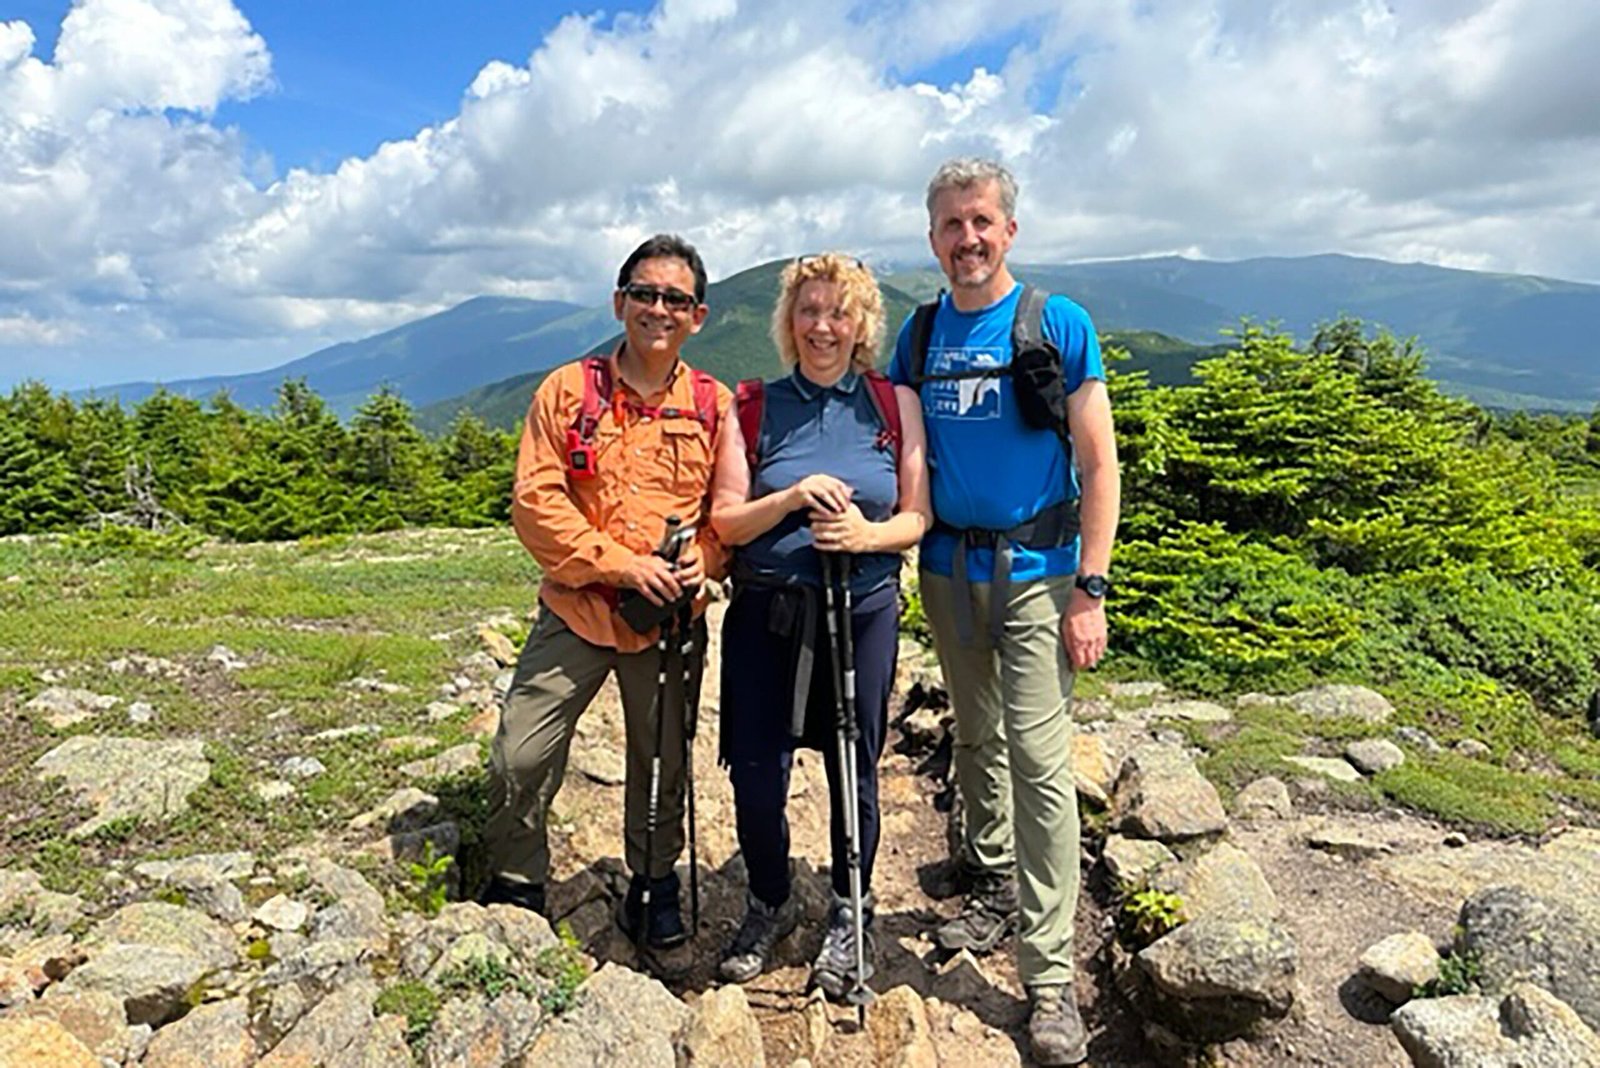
1094 585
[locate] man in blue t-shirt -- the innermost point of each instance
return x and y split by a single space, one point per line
1013 585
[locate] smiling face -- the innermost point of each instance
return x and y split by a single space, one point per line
653 329
824 330
971 234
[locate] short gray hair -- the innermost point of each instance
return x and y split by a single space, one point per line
963 172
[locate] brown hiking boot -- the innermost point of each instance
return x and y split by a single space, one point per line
988 915
1055 1030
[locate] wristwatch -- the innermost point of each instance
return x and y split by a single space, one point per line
1096 586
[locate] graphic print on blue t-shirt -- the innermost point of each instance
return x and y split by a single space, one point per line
964 398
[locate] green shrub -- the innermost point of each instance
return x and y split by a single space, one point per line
414 1000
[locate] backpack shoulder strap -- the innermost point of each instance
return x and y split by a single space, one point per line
596 395
749 403
705 400
1027 326
887 406
921 334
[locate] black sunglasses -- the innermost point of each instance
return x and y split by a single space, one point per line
675 300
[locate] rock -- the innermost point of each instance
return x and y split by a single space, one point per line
94 1017
62 707
473 1032
1520 937
1190 711
211 1036
407 809
926 725
723 1033
439 711
127 778
302 767
622 1017
37 1043
1132 861
1137 690
1417 738
1224 975
212 866
485 723
152 982
1347 842
1396 966
898 1025
1259 700
502 684
339 734
1265 798
16 985
281 913
1472 749
1528 1028
480 662
1092 769
325 1032
601 763
1336 768
498 646
407 743
25 901
141 712
225 658
1223 882
49 959
1159 794
273 790
154 667
357 912
1341 701
412 846
1373 755
382 1045
454 761
961 980
156 923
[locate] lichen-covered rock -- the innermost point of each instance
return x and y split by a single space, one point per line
328 1030
1528 1028
1370 756
1224 881
62 707
1338 701
127 778
1264 798
475 1032
1132 861
211 1036
156 923
39 1043
152 982
1396 966
898 1024
622 1017
95 1018
1159 794
1190 711
723 1032
1220 977
1521 937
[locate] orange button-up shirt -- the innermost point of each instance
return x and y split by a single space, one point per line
584 531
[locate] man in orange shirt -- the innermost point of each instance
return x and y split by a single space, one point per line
611 447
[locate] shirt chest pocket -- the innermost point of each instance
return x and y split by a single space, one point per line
685 458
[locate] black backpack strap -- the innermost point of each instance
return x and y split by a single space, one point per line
921 334
1027 327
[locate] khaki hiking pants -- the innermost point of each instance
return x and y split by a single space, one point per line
1013 757
557 676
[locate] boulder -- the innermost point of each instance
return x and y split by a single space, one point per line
1219 977
212 1036
1132 861
1092 769
1342 701
40 1043
1335 768
1398 965
1224 881
1190 711
1528 1028
325 1032
62 707
127 778
156 923
723 1033
1265 798
281 913
475 1032
1373 755
898 1025
454 761
94 1017
622 1017
1520 937
1159 794
151 982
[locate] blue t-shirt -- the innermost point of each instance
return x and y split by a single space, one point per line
988 468
807 429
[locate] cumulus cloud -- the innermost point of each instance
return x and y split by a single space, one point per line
1456 131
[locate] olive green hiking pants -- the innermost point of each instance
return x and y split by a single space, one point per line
1013 757
556 678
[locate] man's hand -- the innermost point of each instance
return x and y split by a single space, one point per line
820 493
846 531
654 578
1083 629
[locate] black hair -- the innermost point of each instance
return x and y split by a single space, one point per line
666 247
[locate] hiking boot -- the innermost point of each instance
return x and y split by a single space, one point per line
503 891
763 927
1055 1030
663 928
988 915
834 971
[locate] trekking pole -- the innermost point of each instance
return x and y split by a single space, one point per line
836 570
691 719
652 811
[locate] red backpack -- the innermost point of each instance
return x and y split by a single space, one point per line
750 402
599 393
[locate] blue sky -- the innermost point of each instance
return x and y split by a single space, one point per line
202 187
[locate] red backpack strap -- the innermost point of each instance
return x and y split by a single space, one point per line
704 387
749 402
887 405
596 395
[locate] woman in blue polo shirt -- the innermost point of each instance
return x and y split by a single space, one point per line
823 476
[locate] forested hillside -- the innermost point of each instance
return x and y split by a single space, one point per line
1292 513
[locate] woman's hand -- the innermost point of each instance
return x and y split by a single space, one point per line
843 531
820 493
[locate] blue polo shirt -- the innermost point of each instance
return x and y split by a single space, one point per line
989 469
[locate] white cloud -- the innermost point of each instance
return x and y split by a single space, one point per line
1458 131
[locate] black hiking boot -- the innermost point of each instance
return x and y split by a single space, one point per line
664 926
988 916
1055 1030
503 891
834 971
763 927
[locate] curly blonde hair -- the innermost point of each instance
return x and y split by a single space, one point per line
858 293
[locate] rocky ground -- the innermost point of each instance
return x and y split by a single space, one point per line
225 854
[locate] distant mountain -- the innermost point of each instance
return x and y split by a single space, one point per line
480 340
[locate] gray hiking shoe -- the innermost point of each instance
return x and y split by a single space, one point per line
988 915
763 927
834 971
1055 1030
